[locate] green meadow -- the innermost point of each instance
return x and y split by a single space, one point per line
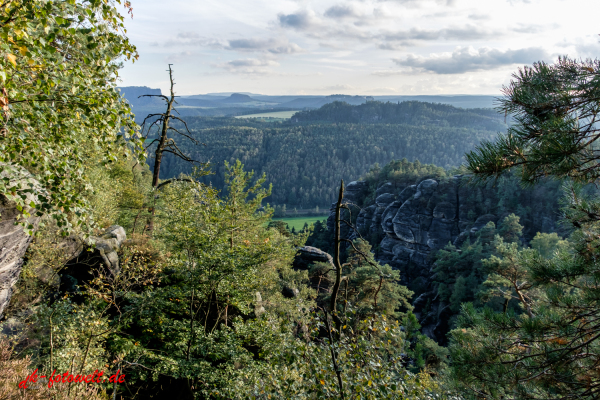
298 222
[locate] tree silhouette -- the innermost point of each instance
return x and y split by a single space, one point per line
165 143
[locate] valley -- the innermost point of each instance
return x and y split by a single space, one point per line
304 157
358 233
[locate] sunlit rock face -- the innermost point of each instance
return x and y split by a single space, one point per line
14 240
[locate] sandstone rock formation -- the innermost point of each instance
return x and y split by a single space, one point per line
411 222
96 252
308 255
14 240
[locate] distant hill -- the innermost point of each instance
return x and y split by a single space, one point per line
238 98
462 101
305 157
133 93
407 112
238 103
316 102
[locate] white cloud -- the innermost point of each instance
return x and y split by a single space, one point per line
468 32
299 44
179 57
423 3
273 46
300 20
249 66
479 17
467 59
342 11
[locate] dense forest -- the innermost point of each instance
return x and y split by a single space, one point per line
406 112
529 216
117 282
305 160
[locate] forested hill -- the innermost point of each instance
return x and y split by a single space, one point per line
306 160
407 112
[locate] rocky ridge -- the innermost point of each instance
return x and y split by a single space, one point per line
406 224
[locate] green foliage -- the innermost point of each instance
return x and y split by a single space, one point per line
407 112
554 107
372 287
198 325
452 264
543 343
510 229
508 274
59 64
281 226
423 352
460 273
280 211
302 223
320 237
306 160
370 355
549 348
459 294
547 243
73 336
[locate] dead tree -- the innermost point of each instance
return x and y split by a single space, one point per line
162 122
335 334
165 144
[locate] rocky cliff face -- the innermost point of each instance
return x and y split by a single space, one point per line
13 244
13 238
406 224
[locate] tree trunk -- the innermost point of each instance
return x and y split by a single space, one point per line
336 249
163 134
160 148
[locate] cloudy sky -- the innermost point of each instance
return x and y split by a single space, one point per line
375 47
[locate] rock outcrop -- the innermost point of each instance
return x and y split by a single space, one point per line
411 222
96 252
308 255
14 240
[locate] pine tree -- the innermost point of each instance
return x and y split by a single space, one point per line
550 347
510 229
547 243
459 294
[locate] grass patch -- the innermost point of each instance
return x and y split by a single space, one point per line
270 115
298 222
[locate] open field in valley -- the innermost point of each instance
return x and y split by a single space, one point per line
298 222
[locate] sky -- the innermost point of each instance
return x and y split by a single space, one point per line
362 47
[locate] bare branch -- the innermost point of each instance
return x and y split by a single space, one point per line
155 95
151 143
168 181
336 249
361 253
182 156
185 135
